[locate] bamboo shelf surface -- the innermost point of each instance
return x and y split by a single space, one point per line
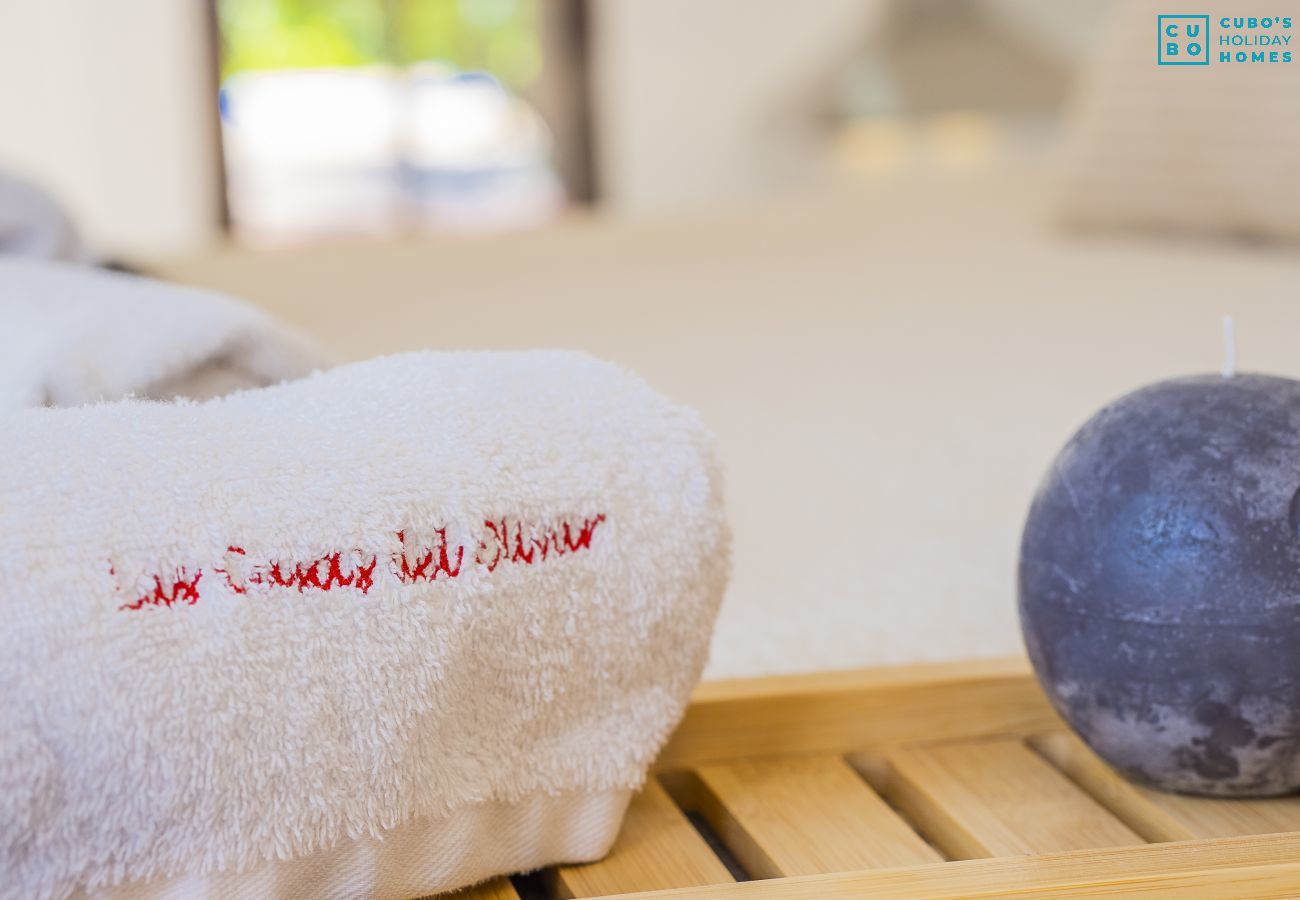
936 781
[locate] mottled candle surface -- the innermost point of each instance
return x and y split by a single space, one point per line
1160 584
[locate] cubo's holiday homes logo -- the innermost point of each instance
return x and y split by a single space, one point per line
1186 40
1182 40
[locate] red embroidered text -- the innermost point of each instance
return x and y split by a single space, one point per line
428 559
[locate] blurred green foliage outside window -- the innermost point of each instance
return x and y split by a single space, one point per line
496 36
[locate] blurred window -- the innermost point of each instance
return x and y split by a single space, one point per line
379 117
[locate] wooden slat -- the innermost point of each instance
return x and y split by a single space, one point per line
997 798
805 815
837 712
1221 869
656 848
496 889
1159 816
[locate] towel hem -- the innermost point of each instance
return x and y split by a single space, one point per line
423 857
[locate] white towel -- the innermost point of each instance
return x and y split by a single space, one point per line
444 607
75 335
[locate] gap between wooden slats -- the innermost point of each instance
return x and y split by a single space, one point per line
993 798
1159 816
656 848
804 815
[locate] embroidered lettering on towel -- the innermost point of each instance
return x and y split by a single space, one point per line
501 542
183 589
325 573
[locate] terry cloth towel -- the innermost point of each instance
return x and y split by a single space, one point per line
76 335
389 630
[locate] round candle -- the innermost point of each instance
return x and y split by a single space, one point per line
1160 584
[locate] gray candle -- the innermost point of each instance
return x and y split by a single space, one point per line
1160 583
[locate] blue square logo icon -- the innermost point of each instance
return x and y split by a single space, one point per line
1183 40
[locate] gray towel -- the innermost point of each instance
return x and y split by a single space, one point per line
78 335
32 224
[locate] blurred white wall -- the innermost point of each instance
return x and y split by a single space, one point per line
110 106
699 102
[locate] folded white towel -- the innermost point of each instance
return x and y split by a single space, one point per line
75 335
443 606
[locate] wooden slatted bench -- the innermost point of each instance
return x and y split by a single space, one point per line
936 781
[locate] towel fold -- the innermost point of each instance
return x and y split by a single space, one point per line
452 603
77 335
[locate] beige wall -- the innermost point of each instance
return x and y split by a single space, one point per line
701 101
108 104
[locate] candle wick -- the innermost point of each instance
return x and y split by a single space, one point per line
1229 348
